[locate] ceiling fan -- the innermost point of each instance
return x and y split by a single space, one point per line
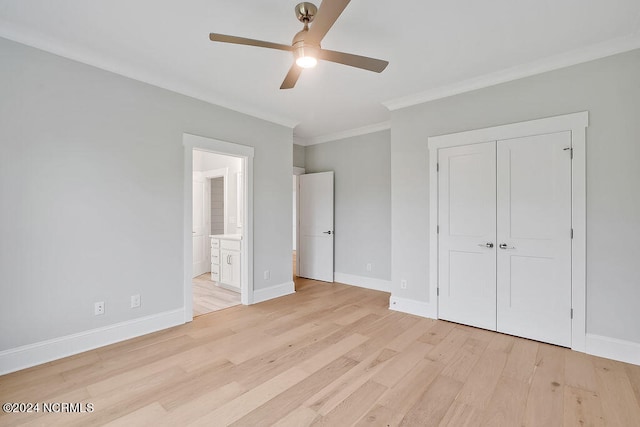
306 43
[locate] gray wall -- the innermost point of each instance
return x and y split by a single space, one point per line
362 201
298 155
91 187
610 90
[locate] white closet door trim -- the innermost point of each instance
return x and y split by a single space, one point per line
576 123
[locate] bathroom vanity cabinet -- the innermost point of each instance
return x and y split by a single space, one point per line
226 260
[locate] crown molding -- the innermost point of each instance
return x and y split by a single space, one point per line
349 133
578 56
170 83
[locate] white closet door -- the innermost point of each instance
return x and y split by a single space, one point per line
315 255
201 261
534 237
467 218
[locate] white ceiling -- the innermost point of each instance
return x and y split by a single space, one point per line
434 48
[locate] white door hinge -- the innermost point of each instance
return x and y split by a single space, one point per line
437 167
572 313
438 291
572 233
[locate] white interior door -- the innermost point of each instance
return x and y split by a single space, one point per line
315 255
201 261
467 218
534 237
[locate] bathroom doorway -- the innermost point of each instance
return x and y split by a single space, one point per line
218 220
215 213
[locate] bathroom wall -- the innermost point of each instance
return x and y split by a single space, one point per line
203 162
217 205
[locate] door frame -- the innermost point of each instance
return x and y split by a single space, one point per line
297 171
576 123
246 154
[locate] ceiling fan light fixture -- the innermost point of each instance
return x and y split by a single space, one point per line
306 57
306 61
305 46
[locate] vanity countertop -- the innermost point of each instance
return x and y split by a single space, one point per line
226 236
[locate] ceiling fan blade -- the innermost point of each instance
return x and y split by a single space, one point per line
292 77
327 14
249 42
364 62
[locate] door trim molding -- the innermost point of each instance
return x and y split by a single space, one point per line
297 171
577 124
245 153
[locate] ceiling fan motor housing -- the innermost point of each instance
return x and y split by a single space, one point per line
304 47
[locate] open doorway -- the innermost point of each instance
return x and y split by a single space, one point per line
218 225
216 208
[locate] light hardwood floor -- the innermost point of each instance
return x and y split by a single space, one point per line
208 297
330 355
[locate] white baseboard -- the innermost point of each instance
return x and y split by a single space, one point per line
363 282
30 355
613 348
418 308
275 291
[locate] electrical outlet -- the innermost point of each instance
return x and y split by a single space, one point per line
369 267
403 284
267 275
135 301
98 308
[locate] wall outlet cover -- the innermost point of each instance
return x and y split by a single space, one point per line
98 308
135 301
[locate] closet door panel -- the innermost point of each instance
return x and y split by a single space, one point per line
467 221
534 237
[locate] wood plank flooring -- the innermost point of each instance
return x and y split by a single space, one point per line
207 297
330 355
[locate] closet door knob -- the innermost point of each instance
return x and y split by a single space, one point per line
504 246
486 245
